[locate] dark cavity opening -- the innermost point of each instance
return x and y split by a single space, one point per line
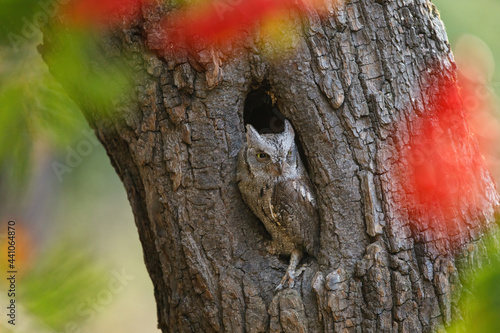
262 112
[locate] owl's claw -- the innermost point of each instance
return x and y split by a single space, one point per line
290 276
292 272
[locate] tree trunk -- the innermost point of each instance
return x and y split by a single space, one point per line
360 79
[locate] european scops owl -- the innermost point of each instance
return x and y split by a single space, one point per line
275 185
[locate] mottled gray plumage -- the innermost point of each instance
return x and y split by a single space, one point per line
275 185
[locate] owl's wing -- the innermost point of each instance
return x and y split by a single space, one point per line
295 209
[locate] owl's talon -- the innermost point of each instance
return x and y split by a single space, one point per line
291 272
290 277
283 281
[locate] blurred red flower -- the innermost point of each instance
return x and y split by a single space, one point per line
220 21
443 170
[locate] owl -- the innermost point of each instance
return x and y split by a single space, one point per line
274 184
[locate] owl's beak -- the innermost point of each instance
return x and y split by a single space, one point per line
279 167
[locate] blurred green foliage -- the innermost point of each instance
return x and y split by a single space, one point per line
79 64
478 17
33 105
57 290
15 14
38 117
481 293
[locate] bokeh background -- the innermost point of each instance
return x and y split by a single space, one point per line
79 258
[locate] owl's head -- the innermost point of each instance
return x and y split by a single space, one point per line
272 155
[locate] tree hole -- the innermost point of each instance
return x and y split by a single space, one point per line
262 112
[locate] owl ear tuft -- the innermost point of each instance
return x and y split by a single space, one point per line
289 129
253 136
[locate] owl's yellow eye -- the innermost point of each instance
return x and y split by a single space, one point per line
290 153
262 155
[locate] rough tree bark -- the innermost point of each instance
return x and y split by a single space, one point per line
357 74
